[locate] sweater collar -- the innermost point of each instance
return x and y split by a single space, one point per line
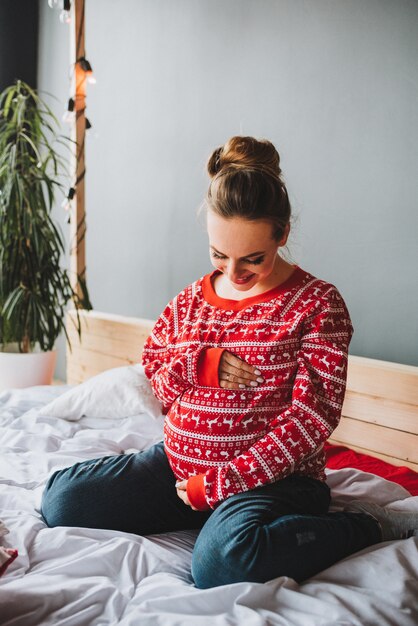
212 297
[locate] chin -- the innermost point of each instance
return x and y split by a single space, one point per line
245 286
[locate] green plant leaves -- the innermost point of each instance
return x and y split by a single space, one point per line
34 288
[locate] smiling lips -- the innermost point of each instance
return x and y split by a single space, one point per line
242 281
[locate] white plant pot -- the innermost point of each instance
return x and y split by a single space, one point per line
18 370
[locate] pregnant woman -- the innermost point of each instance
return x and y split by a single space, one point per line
250 365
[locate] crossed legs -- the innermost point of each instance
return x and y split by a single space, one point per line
279 529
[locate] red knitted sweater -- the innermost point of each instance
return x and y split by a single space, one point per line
227 441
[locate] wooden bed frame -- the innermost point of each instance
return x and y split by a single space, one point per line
380 412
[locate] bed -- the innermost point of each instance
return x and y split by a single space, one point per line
83 577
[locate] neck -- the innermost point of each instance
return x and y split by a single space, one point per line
282 271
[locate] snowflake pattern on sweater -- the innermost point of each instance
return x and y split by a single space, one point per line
228 441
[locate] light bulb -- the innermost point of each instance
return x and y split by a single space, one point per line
66 203
68 117
65 17
52 3
87 68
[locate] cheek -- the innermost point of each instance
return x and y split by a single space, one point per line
217 263
264 268
271 261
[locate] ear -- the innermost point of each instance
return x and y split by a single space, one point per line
285 235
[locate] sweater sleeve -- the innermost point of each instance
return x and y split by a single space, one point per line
208 367
296 435
171 371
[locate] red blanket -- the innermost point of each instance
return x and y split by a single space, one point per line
340 456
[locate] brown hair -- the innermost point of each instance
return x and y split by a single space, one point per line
246 183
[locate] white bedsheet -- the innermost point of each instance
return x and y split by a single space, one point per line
85 577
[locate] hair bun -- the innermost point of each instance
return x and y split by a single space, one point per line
246 183
214 163
248 153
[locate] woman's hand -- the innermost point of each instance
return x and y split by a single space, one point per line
182 493
234 373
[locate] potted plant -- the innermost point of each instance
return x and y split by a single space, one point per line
34 288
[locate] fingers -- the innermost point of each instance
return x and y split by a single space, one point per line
182 493
235 373
239 364
238 372
237 381
226 384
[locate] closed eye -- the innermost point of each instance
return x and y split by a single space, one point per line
256 261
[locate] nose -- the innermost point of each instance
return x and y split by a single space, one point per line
233 270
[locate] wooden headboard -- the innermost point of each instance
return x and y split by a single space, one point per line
107 341
380 412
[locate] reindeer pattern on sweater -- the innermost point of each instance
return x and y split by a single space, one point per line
226 441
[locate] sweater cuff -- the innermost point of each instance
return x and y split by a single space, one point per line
208 367
196 492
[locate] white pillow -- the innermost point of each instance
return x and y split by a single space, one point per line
118 392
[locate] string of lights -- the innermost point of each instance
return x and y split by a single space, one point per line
77 102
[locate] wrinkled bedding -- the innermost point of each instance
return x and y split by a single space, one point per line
85 577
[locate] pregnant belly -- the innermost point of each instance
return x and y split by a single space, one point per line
205 428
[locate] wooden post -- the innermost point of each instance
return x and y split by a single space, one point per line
78 87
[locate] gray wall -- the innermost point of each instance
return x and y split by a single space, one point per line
332 83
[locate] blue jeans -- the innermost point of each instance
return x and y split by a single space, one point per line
280 529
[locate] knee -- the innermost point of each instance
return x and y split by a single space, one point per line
222 558
206 566
48 508
57 498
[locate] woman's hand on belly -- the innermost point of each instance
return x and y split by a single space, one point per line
235 373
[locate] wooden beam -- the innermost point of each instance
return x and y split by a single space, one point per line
381 411
374 438
389 459
383 379
78 90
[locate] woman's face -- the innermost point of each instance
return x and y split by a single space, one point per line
244 250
